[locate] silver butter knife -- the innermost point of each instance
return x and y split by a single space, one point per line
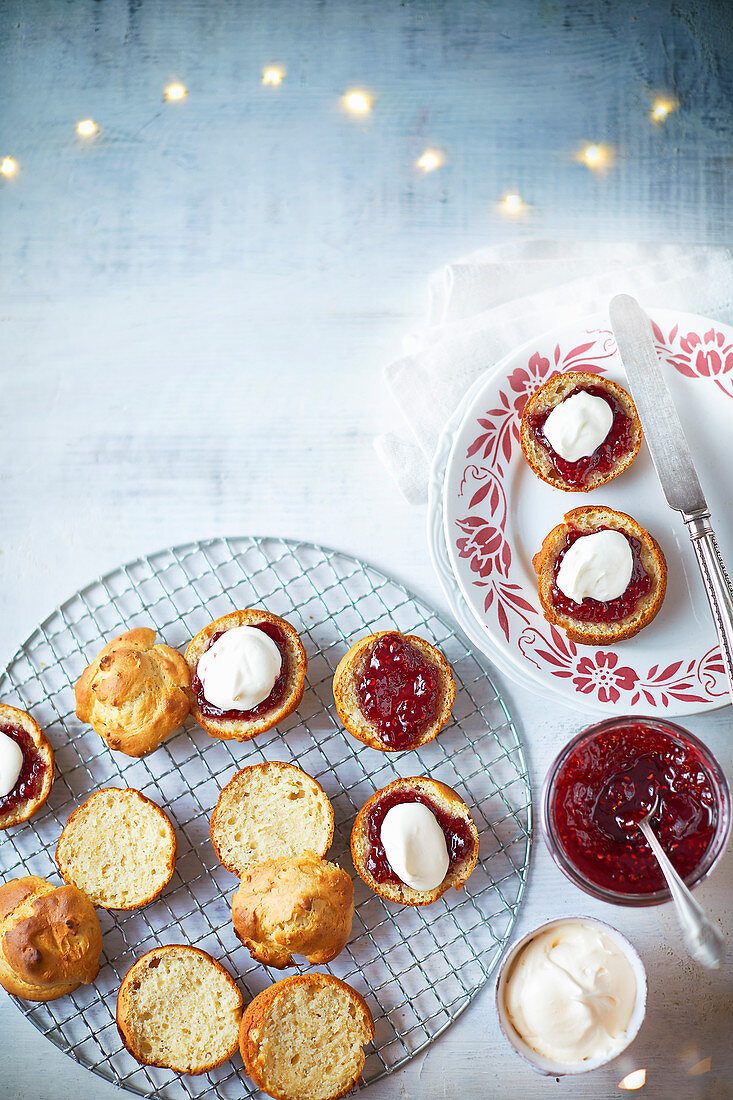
672 460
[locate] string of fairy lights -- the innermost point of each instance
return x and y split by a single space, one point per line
595 156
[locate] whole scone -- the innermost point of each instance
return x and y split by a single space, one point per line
134 693
50 939
301 906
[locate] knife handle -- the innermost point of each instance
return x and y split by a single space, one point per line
717 585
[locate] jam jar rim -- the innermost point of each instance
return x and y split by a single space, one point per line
721 788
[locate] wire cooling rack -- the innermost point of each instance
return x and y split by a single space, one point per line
417 968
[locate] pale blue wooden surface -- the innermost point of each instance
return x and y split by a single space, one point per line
196 304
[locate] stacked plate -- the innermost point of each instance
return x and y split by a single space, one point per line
488 514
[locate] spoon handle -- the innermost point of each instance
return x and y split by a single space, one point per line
704 941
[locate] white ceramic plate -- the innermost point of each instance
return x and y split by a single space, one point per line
496 512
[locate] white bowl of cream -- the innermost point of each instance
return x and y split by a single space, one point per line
571 995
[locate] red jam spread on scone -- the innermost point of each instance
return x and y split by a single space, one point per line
458 836
617 443
608 784
398 691
273 699
32 774
597 611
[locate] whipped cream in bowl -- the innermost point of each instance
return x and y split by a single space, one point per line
238 671
571 995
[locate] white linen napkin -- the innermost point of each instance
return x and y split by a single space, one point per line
484 306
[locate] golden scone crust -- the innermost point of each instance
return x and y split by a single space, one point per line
134 693
446 800
118 846
545 399
178 1008
12 716
296 906
349 672
588 519
303 1038
270 811
50 939
245 728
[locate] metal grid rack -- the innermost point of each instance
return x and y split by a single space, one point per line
418 968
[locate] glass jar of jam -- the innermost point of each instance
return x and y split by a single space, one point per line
609 777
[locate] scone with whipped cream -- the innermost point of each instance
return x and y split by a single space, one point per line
134 693
248 673
294 906
413 840
26 766
601 577
580 430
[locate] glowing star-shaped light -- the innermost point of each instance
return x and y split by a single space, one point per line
512 203
594 156
273 76
662 108
430 160
8 166
87 128
634 1080
359 103
175 91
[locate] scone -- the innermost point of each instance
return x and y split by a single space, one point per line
296 906
26 766
179 1009
50 939
304 1038
601 577
248 674
413 840
393 691
134 693
579 431
270 811
119 847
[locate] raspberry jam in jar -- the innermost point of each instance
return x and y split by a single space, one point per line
614 447
32 774
398 691
599 611
610 777
273 699
458 836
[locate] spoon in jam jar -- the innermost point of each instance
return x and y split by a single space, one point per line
629 801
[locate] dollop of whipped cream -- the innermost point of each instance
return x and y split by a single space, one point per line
11 763
414 844
597 565
578 425
240 669
571 994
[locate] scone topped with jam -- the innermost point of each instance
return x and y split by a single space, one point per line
393 691
26 766
601 576
413 840
579 431
248 673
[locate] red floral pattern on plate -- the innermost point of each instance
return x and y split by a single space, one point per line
481 537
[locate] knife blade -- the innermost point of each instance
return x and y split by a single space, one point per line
673 461
660 420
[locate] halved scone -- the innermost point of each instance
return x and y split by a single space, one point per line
26 766
248 673
580 430
600 590
412 836
393 691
